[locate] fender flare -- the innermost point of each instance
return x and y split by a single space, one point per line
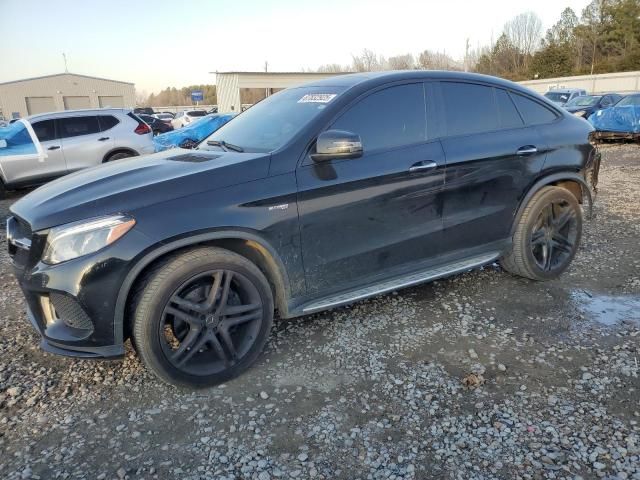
547 180
165 248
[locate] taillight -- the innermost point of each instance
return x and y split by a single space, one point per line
142 129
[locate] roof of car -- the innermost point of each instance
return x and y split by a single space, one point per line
69 113
351 80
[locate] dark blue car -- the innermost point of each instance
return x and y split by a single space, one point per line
586 105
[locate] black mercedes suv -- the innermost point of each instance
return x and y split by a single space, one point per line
316 197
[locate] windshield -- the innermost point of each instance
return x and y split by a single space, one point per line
197 113
274 121
584 101
557 96
16 140
630 100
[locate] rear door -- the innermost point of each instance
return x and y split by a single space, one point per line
83 143
492 157
377 214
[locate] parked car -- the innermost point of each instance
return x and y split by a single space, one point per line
621 121
584 105
72 140
560 96
190 136
157 125
186 117
307 201
164 116
144 110
214 109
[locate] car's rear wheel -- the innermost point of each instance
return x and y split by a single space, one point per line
202 317
547 236
119 156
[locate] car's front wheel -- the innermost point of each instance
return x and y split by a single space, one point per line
202 317
547 235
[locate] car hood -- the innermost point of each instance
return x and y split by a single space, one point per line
126 185
578 109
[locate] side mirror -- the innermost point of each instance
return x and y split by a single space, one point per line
334 144
3 143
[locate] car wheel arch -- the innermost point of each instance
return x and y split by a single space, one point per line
249 245
571 181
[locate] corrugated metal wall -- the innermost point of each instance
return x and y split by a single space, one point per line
13 95
623 82
228 92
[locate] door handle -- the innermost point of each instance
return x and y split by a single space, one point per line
54 147
102 139
527 150
422 167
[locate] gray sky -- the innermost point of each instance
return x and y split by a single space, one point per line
160 43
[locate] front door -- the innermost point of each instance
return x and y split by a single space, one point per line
54 164
381 213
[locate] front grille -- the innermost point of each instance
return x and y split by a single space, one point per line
72 314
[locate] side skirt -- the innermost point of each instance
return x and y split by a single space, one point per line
396 283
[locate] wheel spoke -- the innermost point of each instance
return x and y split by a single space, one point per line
193 320
187 345
234 321
217 346
537 237
561 242
228 342
548 256
224 296
563 219
188 304
213 293
238 309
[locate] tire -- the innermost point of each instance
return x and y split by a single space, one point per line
183 344
119 156
546 237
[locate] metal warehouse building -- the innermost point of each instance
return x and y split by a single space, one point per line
64 91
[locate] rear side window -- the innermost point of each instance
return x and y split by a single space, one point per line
388 118
532 112
509 116
77 126
45 130
469 108
107 122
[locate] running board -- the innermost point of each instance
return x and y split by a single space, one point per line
400 282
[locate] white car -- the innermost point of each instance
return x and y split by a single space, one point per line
186 117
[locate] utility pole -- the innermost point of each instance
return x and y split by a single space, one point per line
466 56
64 56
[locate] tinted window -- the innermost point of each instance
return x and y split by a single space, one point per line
509 116
469 108
45 130
107 122
532 112
388 118
197 113
76 126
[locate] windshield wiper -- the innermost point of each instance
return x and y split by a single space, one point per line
224 145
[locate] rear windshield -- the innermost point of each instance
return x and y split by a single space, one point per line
584 101
274 121
557 96
630 100
197 113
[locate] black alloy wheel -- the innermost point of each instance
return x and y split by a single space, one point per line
211 322
553 239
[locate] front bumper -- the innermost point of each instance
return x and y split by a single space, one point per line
72 305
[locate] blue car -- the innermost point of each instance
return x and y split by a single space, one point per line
192 134
620 121
585 105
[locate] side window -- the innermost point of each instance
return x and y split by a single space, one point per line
45 130
77 126
469 108
388 118
107 122
532 112
509 116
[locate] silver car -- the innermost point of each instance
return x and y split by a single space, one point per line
68 141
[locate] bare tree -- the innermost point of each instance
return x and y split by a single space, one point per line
368 61
429 60
401 62
524 32
141 97
333 68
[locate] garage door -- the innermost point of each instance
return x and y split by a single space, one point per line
40 105
113 102
75 103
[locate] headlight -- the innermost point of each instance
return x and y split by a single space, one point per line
82 238
580 113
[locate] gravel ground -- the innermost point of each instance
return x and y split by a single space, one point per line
483 375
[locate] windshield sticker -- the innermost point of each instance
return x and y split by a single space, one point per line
317 98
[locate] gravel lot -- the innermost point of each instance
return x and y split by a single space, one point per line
483 375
